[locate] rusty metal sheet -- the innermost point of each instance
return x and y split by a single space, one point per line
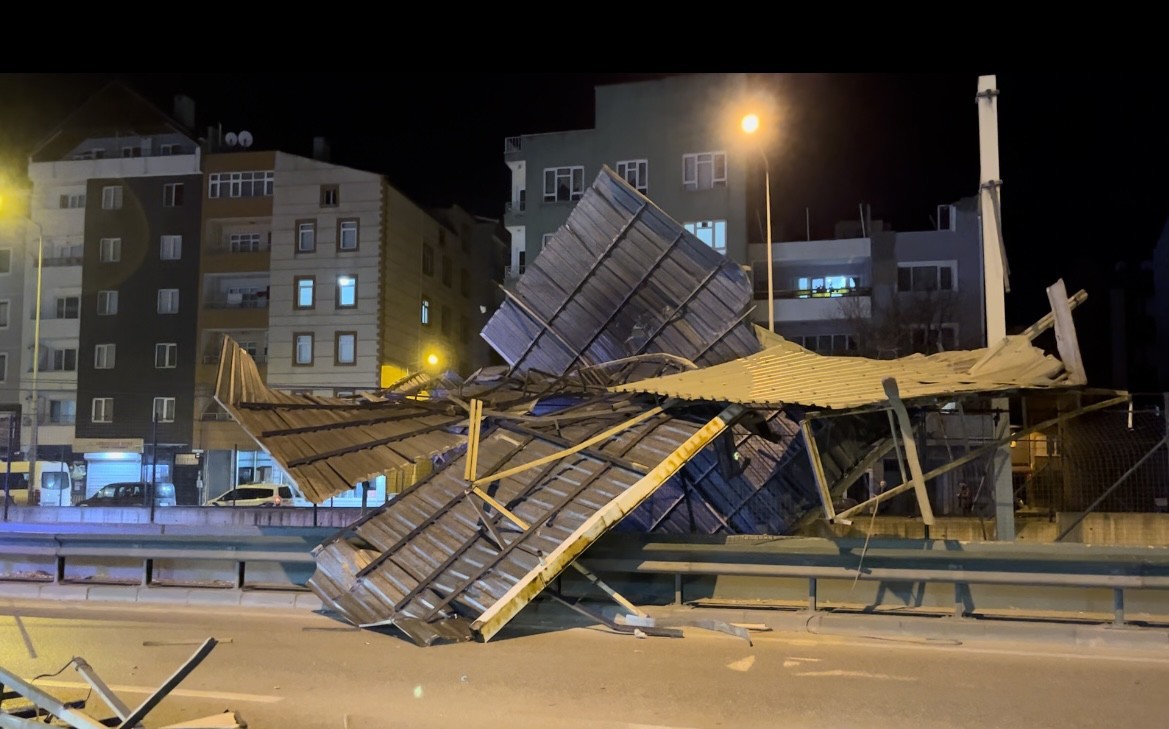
621 278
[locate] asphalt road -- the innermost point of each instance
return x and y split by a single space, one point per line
290 669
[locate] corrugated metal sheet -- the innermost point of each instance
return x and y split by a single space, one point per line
328 445
622 278
430 557
786 374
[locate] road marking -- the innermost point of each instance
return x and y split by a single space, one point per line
856 674
743 664
797 660
189 693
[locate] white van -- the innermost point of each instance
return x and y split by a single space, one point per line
55 480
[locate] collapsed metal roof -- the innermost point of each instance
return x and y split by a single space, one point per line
622 309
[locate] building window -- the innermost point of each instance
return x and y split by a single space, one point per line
465 282
172 195
346 292
636 173
704 170
825 287
841 344
425 311
171 248
68 307
545 240
245 242
711 232
62 412
427 259
103 356
110 249
933 338
102 410
302 349
330 196
563 184
306 236
445 324
107 303
305 292
166 150
927 276
5 260
132 151
63 360
166 355
164 409
241 184
5 308
111 197
464 329
73 201
168 301
3 367
345 348
447 266
347 235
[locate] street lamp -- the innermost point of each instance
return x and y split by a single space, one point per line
34 410
36 357
750 125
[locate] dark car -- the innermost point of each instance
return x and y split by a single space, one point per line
132 493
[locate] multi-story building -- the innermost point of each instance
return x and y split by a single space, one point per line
678 141
12 267
878 292
157 245
110 188
675 139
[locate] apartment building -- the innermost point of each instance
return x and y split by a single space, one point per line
676 140
878 292
13 251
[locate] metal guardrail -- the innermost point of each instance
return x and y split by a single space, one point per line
238 549
1025 566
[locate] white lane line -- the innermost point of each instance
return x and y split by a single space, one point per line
743 664
856 674
189 693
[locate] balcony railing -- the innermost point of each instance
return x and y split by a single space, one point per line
44 418
214 358
223 302
61 260
515 206
215 416
511 145
761 292
228 250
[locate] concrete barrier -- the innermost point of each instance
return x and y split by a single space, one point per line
334 517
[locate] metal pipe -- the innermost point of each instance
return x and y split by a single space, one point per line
34 408
770 267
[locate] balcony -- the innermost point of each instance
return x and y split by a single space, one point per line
61 260
515 206
795 305
512 145
44 418
214 358
228 301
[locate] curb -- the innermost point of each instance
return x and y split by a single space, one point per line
163 595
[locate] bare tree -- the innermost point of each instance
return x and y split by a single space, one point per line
913 321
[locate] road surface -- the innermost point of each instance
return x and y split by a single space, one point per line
298 670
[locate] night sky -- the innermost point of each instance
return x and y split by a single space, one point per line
1083 156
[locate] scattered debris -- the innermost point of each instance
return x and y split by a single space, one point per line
27 705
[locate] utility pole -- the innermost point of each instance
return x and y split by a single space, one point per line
995 286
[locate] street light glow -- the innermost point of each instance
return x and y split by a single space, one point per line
751 123
432 359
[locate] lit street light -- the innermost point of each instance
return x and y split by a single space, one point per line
750 125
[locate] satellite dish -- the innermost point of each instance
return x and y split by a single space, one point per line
245 139
230 139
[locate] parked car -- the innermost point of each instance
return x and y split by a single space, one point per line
132 493
258 494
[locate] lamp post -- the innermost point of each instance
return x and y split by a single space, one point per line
36 363
750 125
